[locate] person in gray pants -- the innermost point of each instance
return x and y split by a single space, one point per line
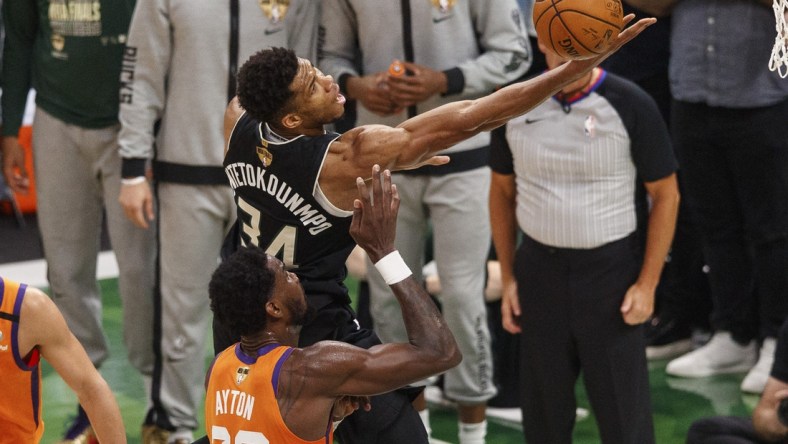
73 60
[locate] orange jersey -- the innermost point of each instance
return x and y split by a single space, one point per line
20 396
240 403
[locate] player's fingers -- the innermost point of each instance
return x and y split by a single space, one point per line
437 160
376 186
17 184
16 180
507 320
138 219
149 210
139 216
363 191
355 222
510 312
386 197
626 306
631 32
634 319
394 200
639 314
514 306
410 66
628 18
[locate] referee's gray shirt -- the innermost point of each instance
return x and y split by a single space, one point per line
579 163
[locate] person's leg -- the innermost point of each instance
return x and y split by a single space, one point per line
458 214
69 218
722 430
135 252
612 353
192 222
683 296
548 358
711 189
760 162
758 155
684 284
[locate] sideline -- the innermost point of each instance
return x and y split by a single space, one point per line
34 273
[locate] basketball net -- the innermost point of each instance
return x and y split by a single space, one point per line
779 60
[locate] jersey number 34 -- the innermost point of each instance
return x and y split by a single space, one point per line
283 244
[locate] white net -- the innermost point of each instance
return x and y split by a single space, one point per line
779 60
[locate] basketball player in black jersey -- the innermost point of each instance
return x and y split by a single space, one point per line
295 184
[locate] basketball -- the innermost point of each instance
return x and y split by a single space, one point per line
577 29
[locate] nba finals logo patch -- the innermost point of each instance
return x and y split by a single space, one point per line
265 156
58 42
241 374
275 10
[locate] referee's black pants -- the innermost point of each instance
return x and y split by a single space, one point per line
571 321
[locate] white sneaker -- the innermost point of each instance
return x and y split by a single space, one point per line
720 355
755 380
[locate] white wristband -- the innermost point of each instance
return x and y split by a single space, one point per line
133 180
393 268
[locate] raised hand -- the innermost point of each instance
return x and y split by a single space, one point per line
375 215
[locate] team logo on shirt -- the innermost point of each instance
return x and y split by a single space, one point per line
589 126
265 156
2 347
241 374
275 10
58 42
443 6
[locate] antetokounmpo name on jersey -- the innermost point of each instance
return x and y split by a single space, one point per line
243 174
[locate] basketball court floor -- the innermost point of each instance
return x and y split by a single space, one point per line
676 402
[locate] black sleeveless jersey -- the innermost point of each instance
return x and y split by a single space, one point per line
275 186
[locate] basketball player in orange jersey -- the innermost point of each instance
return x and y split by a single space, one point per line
265 389
31 327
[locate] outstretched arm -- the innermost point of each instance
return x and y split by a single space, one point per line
431 348
415 141
445 126
42 325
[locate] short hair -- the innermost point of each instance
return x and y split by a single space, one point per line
239 289
264 83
